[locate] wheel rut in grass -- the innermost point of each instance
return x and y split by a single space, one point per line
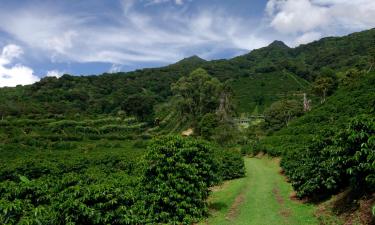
235 207
284 211
261 198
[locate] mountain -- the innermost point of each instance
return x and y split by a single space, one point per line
258 79
192 60
278 44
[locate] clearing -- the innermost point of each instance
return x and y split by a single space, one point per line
261 198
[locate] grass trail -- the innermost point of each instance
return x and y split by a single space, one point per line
261 198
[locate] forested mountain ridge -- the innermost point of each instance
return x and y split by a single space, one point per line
258 79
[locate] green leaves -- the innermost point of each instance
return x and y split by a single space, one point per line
178 173
328 163
24 179
197 94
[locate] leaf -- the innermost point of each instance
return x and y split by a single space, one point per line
24 179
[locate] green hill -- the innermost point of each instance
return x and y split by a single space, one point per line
258 79
348 102
73 149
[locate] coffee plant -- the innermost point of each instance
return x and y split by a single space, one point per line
335 159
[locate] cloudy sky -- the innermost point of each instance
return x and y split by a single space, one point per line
48 38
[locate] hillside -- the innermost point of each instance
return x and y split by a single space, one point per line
258 79
330 151
355 99
109 149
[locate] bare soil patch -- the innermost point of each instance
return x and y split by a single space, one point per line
278 197
235 208
284 212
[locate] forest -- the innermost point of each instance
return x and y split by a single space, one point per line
151 146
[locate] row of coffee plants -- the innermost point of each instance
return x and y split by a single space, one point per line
335 159
46 132
104 183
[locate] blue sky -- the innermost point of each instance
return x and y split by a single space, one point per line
48 38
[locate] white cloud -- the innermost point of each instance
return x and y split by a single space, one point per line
153 2
54 73
9 53
307 20
133 37
289 16
179 2
307 38
115 68
13 75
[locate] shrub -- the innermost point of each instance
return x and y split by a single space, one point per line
232 165
252 148
140 143
335 159
356 151
177 178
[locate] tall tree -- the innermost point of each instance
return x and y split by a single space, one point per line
280 113
197 95
323 86
140 105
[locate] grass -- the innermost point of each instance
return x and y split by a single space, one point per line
261 198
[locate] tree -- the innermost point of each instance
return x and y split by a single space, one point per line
351 77
322 87
207 125
205 104
325 83
280 113
197 94
139 105
226 107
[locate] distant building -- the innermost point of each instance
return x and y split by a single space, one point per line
246 121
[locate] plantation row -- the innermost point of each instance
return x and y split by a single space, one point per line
332 147
119 184
335 159
46 132
94 126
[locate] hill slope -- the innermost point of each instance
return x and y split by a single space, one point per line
258 78
348 102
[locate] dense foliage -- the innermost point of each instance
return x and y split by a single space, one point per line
72 148
201 103
70 187
281 113
258 79
177 178
85 170
326 149
329 164
196 95
355 96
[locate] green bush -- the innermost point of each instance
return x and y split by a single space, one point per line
335 159
252 148
177 178
356 152
232 165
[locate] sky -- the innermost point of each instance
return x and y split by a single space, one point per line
50 38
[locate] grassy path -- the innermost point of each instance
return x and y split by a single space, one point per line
261 198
